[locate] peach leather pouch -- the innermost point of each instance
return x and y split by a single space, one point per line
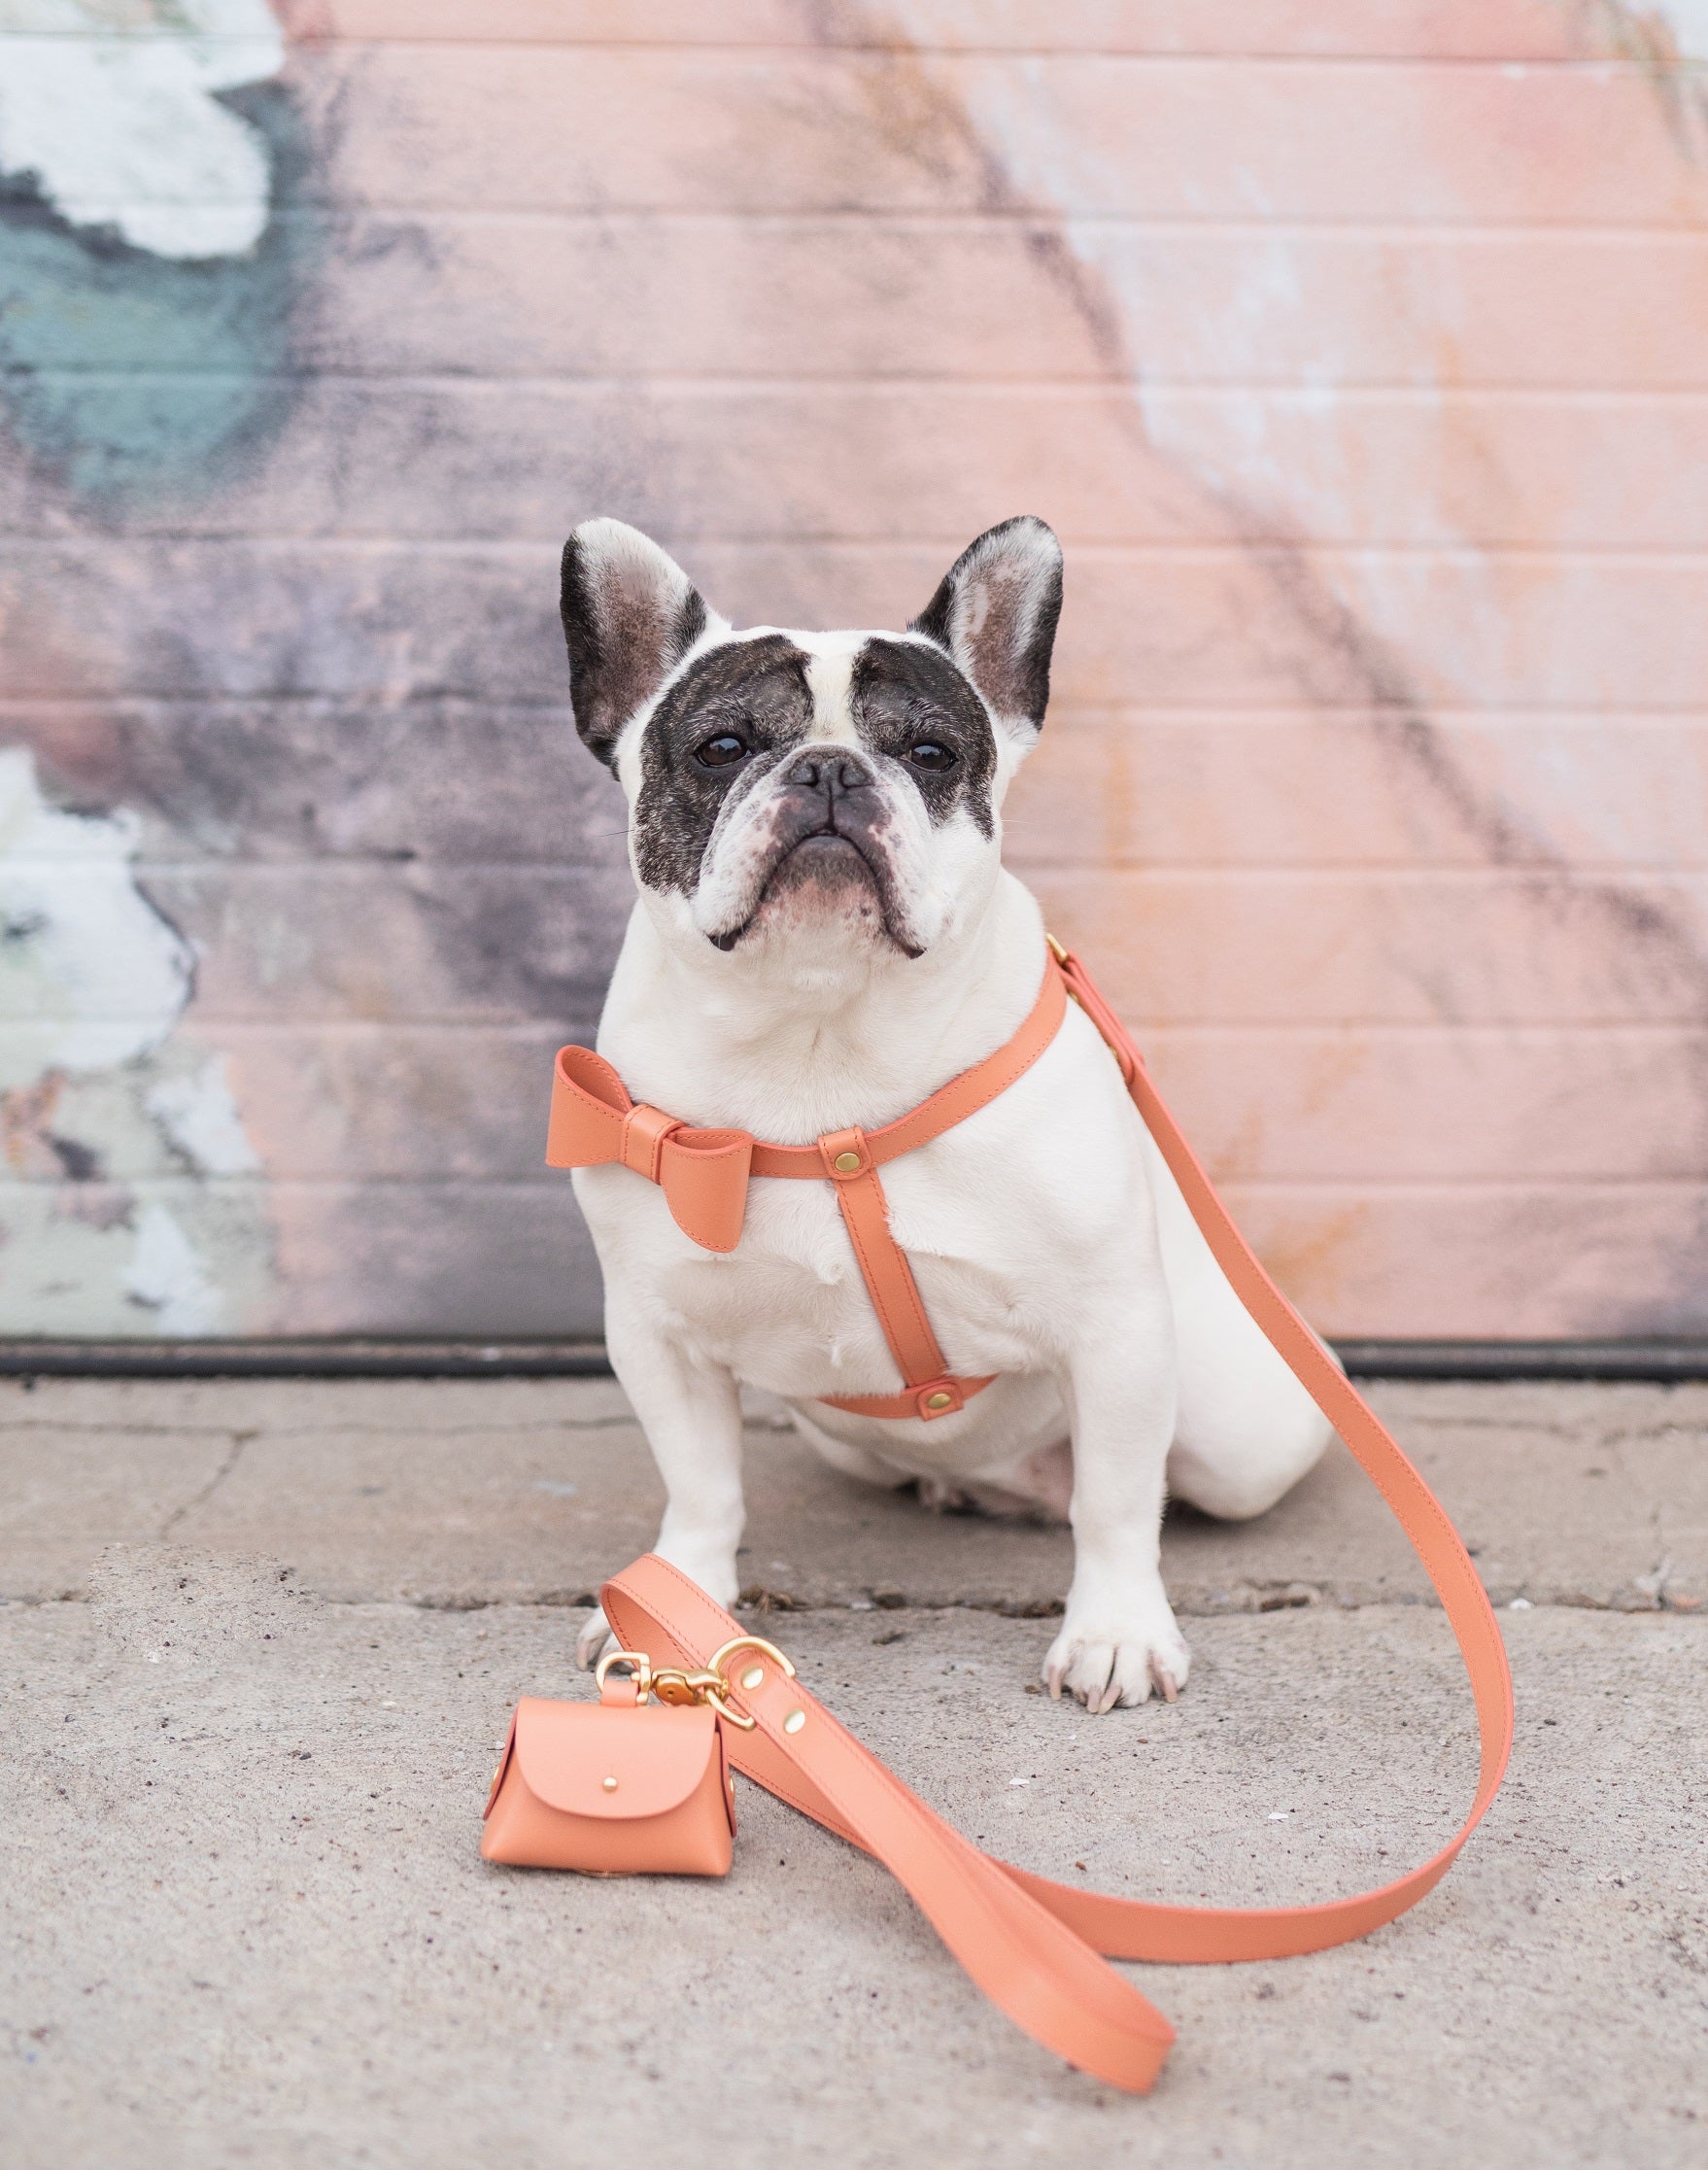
618 1787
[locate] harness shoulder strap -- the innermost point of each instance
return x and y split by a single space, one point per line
1029 1942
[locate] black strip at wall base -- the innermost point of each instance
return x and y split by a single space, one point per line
351 1359
1652 1361
327 1357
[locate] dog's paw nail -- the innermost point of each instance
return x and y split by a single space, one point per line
1165 1681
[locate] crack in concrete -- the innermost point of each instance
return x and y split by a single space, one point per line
1237 1602
130 1430
1188 1605
234 1454
319 1430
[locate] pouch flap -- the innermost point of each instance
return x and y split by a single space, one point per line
658 1755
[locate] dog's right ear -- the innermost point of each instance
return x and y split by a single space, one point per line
631 614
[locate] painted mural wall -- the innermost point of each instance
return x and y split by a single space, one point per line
1357 351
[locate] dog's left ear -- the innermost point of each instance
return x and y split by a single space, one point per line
996 614
631 614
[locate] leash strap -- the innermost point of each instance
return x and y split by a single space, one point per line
1032 1945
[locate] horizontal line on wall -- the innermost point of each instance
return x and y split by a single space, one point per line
544 706
835 40
1552 871
1363 713
1352 1188
1066 49
204 1025
1317 403
1410 871
209 1031
193 1028
543 547
1471 556
1610 233
355 1357
1541 868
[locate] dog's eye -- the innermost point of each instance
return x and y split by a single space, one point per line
719 753
928 754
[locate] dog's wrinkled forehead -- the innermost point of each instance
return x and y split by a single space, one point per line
745 713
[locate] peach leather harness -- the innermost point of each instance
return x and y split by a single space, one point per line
1032 1945
704 1174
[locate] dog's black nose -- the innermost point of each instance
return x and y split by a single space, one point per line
830 770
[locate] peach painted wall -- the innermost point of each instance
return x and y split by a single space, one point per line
1358 352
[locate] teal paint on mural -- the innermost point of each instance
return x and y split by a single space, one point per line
128 377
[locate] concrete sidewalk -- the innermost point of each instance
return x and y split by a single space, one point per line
259 1642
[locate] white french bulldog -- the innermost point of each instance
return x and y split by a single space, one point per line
824 935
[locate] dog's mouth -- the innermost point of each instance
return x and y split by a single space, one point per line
839 867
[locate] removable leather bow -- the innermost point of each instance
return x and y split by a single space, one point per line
702 1173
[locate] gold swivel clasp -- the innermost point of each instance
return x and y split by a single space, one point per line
679 1687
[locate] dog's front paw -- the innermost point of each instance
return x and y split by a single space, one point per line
595 1637
1110 1654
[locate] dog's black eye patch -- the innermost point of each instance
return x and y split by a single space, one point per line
709 735
912 705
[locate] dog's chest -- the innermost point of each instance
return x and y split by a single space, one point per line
790 1310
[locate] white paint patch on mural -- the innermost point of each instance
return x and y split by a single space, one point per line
111 105
129 1198
199 1115
90 973
167 1277
1686 22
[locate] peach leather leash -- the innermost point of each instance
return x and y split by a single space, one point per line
1032 1945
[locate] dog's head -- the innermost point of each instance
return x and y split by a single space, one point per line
837 789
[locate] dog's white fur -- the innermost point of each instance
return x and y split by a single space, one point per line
1049 1242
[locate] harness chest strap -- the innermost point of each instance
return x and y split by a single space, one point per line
1032 1945
705 1175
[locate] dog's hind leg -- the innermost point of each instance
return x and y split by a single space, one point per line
1246 1430
691 1413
